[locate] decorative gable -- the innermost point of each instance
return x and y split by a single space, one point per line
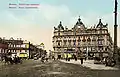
79 25
100 24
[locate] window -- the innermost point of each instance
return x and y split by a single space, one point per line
103 31
100 42
89 39
59 43
69 42
93 48
58 33
105 49
94 37
74 43
65 42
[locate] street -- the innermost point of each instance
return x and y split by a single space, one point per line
34 68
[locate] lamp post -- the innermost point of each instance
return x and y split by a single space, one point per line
115 29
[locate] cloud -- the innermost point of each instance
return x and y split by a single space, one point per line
34 25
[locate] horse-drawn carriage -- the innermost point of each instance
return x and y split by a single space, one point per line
11 60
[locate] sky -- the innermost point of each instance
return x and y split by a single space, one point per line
36 25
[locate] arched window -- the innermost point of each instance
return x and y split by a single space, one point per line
89 39
74 42
94 38
84 39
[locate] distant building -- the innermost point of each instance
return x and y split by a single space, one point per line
14 46
90 41
19 47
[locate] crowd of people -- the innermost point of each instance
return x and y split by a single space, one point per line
9 59
68 57
107 61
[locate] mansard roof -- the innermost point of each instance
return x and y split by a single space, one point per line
100 24
79 26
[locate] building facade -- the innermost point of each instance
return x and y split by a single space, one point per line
94 41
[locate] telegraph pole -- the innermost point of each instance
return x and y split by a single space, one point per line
115 29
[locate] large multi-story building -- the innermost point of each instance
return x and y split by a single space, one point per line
90 41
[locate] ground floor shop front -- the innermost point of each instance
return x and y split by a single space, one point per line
79 54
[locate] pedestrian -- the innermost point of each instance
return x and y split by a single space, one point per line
75 57
81 60
53 57
47 57
15 59
67 57
85 57
106 61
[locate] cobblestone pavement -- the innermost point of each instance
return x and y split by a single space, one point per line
31 68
